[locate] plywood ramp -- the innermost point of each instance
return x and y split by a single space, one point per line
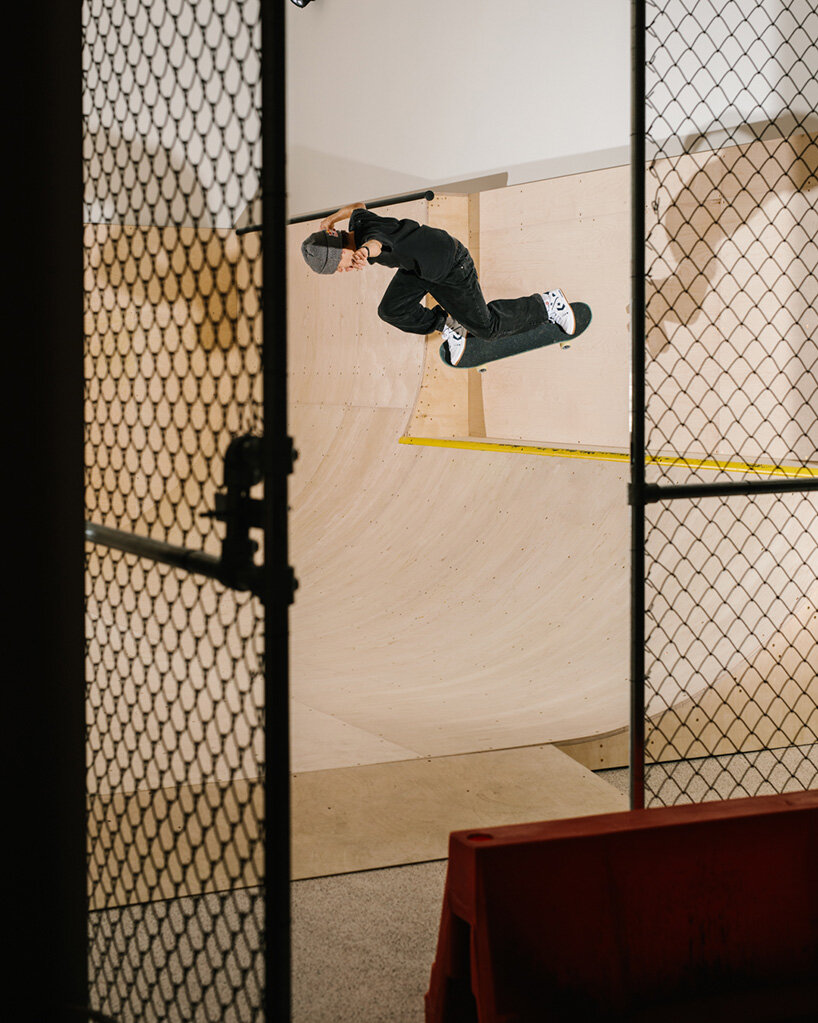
449 402
462 606
462 600
451 601
767 699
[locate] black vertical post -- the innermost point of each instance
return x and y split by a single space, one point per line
277 455
637 487
43 691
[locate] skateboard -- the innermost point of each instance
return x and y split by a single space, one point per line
479 352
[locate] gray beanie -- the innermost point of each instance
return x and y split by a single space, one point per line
322 251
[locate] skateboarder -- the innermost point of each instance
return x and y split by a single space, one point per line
428 261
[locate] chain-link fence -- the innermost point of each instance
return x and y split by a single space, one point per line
731 398
175 740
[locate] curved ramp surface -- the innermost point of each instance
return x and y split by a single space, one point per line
465 600
451 601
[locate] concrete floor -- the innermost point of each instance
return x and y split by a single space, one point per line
364 944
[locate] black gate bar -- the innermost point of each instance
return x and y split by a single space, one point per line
277 462
637 475
654 492
247 578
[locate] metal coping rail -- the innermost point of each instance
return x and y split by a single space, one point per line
374 205
808 471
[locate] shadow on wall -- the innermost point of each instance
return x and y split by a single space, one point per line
756 163
736 238
137 182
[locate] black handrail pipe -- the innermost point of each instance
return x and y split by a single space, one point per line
374 205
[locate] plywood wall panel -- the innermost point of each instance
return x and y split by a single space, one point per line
572 233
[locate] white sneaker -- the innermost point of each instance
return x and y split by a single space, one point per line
455 336
559 311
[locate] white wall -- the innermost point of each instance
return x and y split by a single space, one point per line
388 96
734 71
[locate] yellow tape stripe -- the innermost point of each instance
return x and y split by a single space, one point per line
808 471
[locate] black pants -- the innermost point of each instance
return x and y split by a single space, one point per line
459 294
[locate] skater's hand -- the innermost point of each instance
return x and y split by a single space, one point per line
360 257
343 214
369 250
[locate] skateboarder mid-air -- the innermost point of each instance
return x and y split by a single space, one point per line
428 261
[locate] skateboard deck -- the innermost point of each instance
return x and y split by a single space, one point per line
479 352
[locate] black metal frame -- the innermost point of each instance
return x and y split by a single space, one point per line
44 660
277 459
654 492
637 459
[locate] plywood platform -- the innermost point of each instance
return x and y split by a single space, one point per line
388 814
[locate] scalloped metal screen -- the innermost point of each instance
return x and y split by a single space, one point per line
175 723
